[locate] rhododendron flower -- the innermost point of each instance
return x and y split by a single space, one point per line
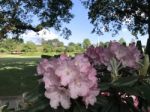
64 57
106 56
50 79
57 96
91 52
135 101
121 52
78 88
67 72
43 66
67 78
128 56
82 63
90 98
92 77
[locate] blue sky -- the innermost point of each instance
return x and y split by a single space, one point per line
81 29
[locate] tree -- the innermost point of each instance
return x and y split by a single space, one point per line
79 47
54 42
16 15
71 47
10 44
47 48
53 46
29 47
111 14
122 41
86 43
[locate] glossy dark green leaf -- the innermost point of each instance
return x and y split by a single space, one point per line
108 107
102 100
79 107
125 81
104 86
38 106
144 89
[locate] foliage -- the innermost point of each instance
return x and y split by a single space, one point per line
54 43
53 46
72 47
9 44
4 108
29 47
3 50
86 43
122 41
112 14
49 47
17 16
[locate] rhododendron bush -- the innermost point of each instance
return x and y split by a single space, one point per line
102 79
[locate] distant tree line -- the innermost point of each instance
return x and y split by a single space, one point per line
18 46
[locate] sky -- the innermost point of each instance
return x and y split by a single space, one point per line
81 29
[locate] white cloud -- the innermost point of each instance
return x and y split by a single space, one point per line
37 37
47 35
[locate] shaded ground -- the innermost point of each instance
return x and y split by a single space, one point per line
17 75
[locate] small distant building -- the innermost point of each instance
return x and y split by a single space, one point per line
16 52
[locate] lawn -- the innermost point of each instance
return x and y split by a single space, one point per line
17 75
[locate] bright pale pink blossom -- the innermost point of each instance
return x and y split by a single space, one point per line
67 78
50 79
90 98
43 66
82 63
78 88
67 72
57 96
92 77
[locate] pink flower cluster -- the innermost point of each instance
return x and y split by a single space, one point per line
129 56
67 78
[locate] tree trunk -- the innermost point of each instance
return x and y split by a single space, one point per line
139 46
147 50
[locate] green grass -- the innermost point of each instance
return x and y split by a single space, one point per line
17 75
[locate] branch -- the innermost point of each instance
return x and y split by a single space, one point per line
29 27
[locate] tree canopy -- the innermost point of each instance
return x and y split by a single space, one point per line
16 16
112 14
86 43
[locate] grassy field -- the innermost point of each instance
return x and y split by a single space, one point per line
17 75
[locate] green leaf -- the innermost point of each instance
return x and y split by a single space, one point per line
2 108
79 107
125 81
35 94
38 106
5 108
102 100
143 70
104 86
107 107
144 89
